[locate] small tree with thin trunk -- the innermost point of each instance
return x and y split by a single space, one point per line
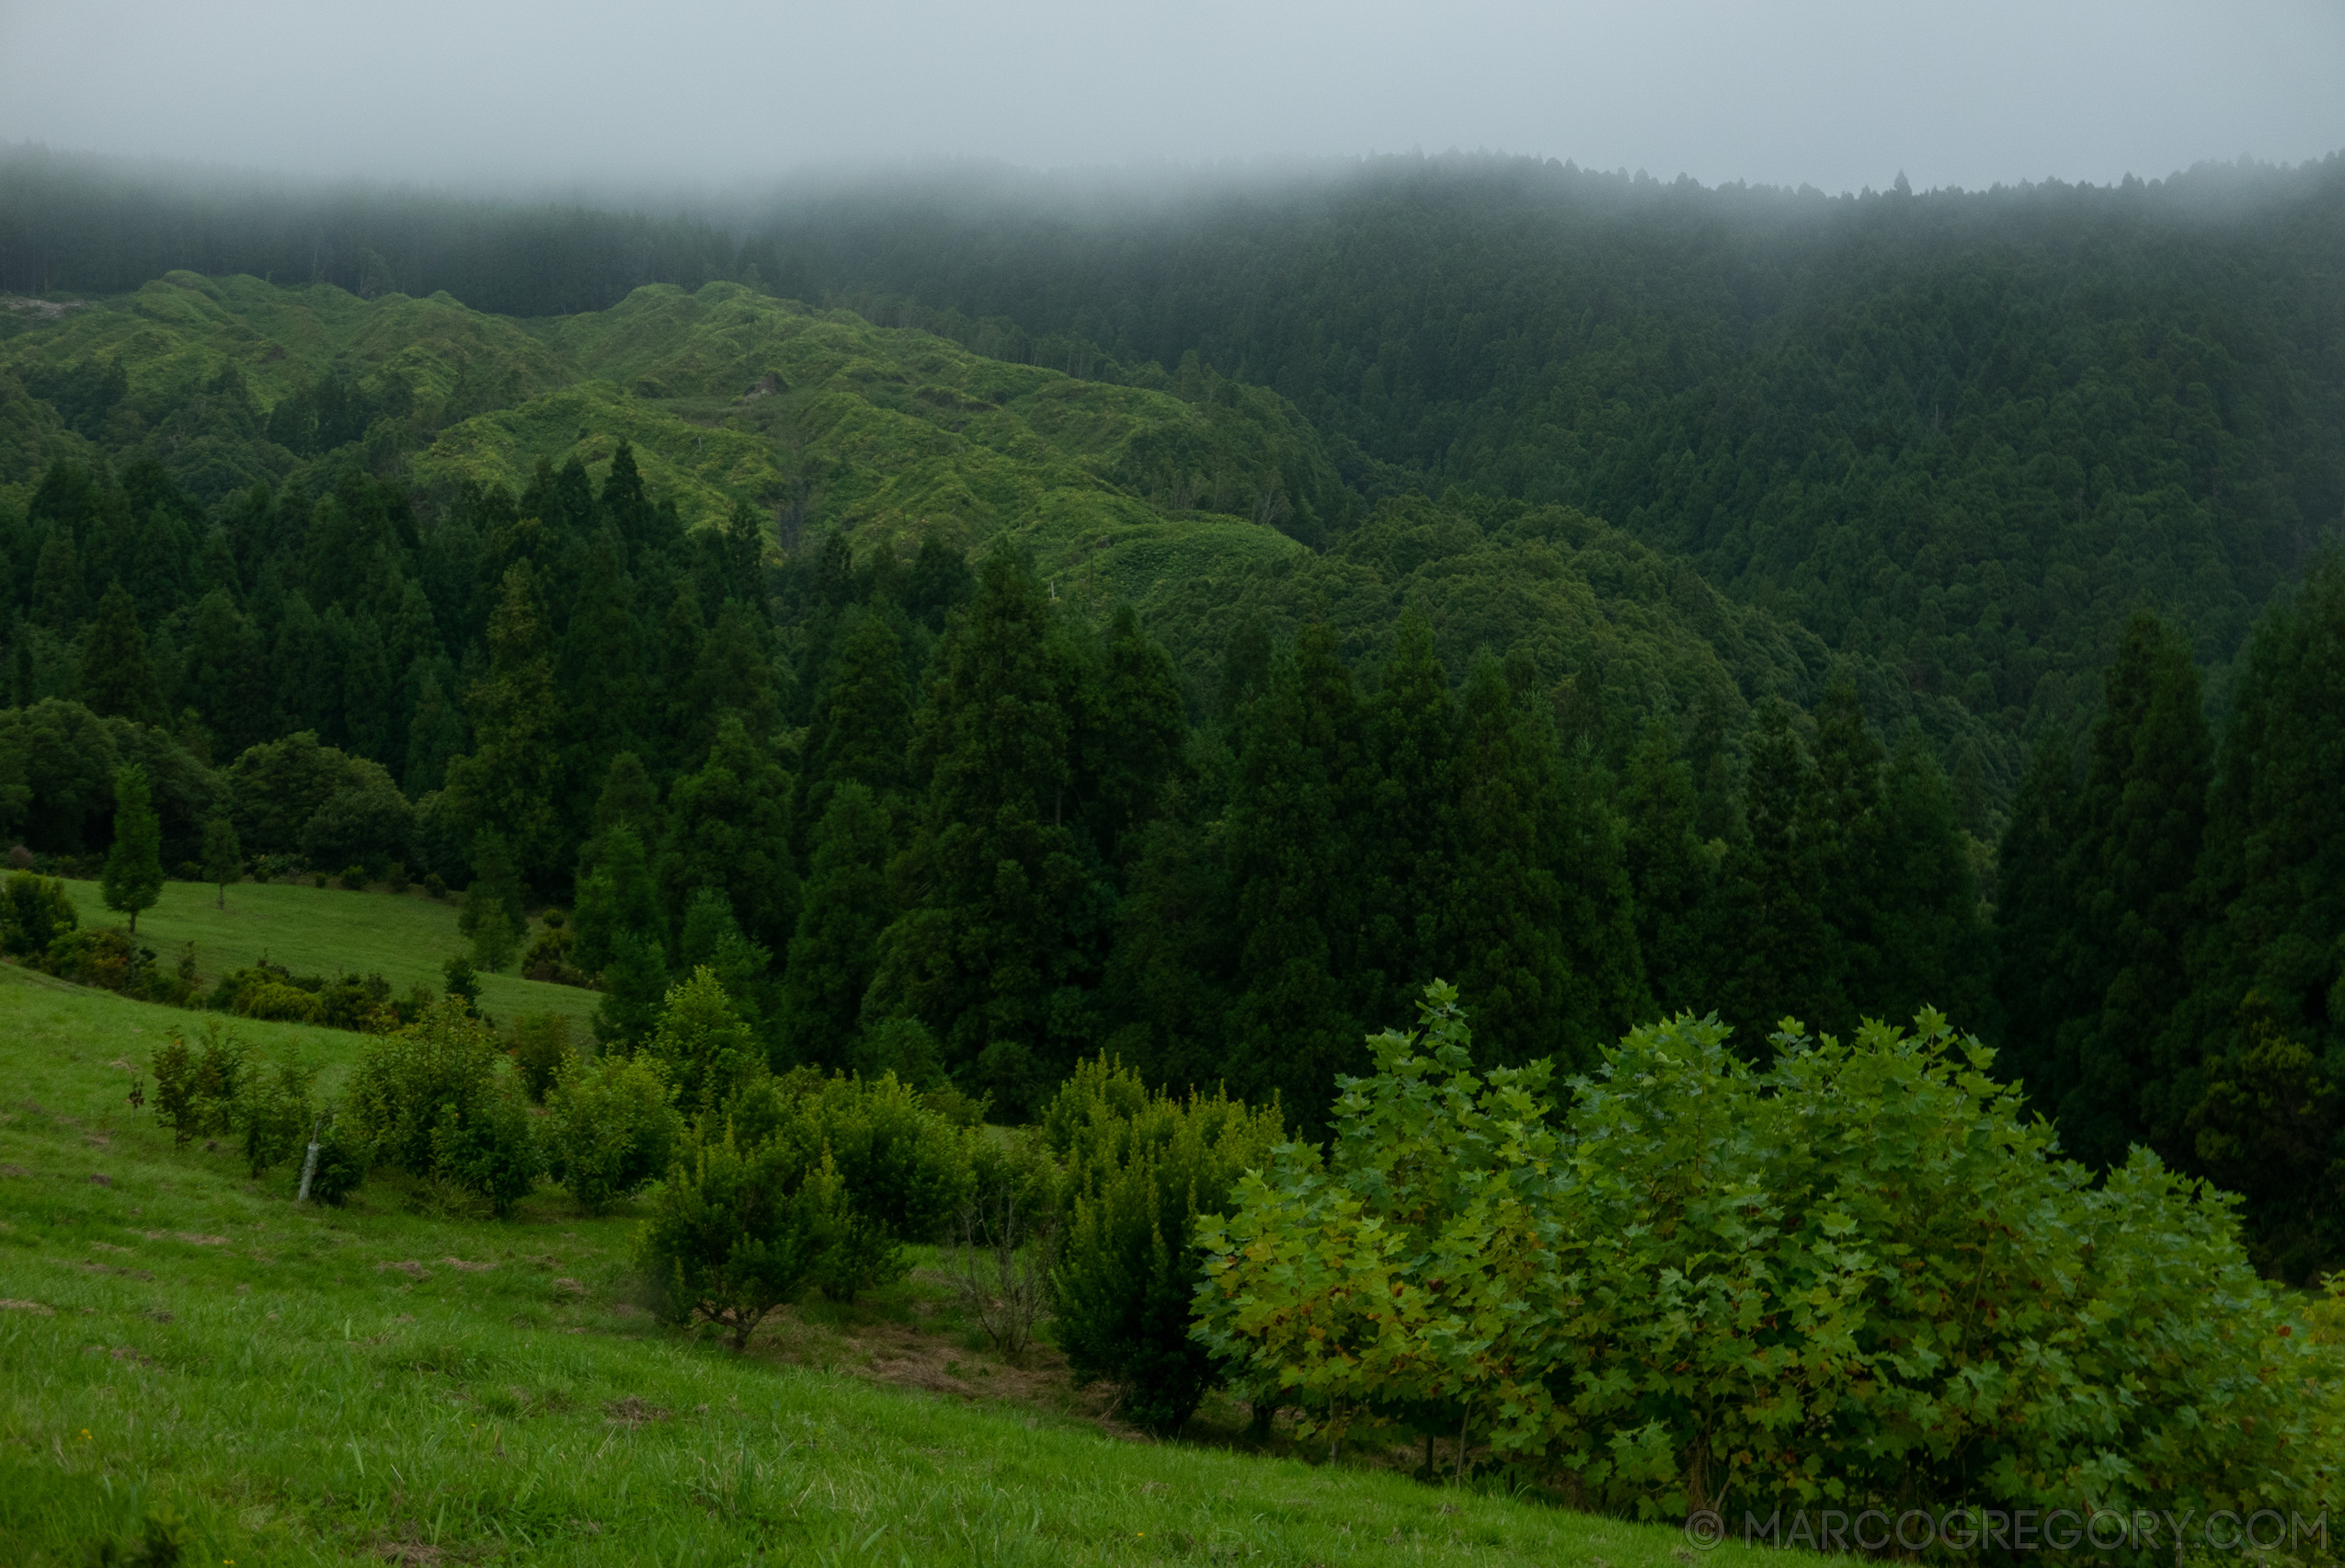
224 855
133 876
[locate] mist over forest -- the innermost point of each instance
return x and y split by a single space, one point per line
1366 742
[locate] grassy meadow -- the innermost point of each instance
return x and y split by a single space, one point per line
400 1380
403 938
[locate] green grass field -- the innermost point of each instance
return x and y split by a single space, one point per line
403 938
389 1382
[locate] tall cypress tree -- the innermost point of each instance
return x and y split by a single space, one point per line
862 715
133 877
1135 733
834 951
509 782
1410 843
729 828
1672 875
2034 911
1501 935
2140 820
1771 903
1932 947
599 674
1846 828
616 897
1008 919
117 678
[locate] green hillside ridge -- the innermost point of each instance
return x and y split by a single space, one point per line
334 1386
325 931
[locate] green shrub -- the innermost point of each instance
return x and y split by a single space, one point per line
735 1232
395 876
1860 1277
118 962
489 1148
548 957
342 1162
611 1129
195 1095
1140 1170
438 1100
34 912
539 1044
273 1113
906 1171
706 1049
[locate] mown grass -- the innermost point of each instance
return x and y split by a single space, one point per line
387 1382
403 938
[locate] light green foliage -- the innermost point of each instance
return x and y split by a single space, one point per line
439 1100
701 1043
195 1095
133 878
1140 1168
34 911
1856 1278
611 1129
735 1232
942 1481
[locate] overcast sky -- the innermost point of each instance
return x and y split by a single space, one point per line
1834 93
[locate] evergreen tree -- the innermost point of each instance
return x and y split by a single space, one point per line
436 733
1300 886
615 897
711 939
628 799
1001 934
834 951
370 699
1135 731
729 828
634 982
510 780
862 713
1500 938
1772 900
1672 875
1931 946
1416 861
2034 911
940 581
1844 826
117 680
57 596
224 857
598 675
495 912
731 675
224 675
133 876
2140 820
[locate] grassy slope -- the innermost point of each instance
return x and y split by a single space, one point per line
324 931
194 1340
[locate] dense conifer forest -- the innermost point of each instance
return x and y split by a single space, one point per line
985 636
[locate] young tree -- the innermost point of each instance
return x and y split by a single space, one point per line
224 857
133 876
511 779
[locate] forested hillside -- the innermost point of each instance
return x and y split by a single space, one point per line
1613 598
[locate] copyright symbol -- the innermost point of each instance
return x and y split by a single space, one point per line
1705 1529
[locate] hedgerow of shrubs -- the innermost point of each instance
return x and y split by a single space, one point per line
1859 1276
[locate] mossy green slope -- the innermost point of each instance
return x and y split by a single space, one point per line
374 1383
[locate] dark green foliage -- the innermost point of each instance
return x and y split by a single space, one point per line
461 980
1002 931
490 1147
133 878
273 1113
34 912
495 913
738 1230
729 828
616 897
342 1163
833 953
711 939
117 678
1672 874
634 985
2134 846
1139 1170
